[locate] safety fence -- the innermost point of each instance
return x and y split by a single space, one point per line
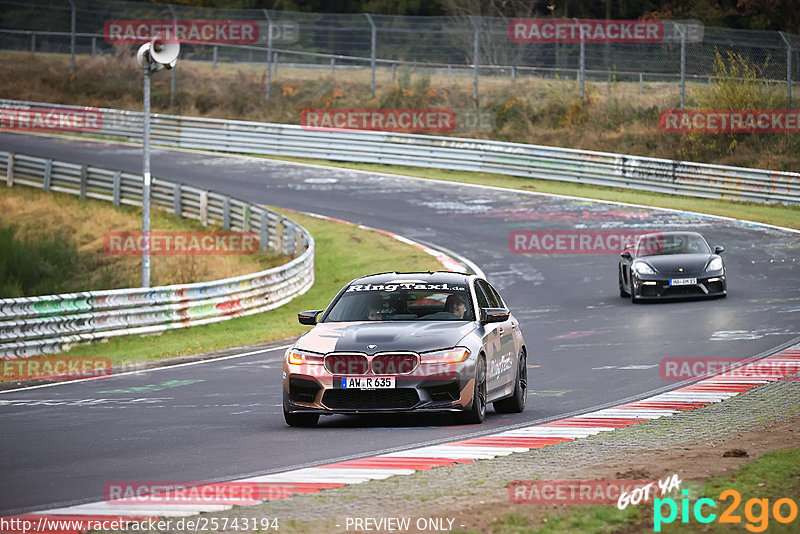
473 45
514 159
52 323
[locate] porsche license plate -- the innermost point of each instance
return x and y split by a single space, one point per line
682 281
365 382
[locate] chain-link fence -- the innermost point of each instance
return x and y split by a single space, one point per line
480 46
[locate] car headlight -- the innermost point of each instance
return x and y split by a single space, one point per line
715 265
301 357
454 355
641 267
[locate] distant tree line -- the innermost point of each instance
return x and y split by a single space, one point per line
781 15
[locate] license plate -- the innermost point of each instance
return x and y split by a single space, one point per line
365 382
682 281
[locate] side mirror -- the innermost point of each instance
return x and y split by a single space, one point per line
494 315
626 254
308 317
718 249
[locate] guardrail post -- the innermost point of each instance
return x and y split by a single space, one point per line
264 231
83 182
177 208
204 208
226 213
48 172
117 187
333 65
475 50
641 84
374 36
10 170
215 58
72 38
788 70
394 71
269 53
275 63
33 43
94 45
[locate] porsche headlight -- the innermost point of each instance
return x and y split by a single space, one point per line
303 357
640 267
715 265
455 355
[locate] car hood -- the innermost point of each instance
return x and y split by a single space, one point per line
386 336
672 263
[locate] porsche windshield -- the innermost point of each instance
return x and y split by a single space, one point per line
662 244
403 302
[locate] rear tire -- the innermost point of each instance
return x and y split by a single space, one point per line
476 414
516 402
300 419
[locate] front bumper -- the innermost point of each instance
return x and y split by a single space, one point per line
429 388
659 287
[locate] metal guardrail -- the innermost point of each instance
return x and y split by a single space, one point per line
514 159
49 324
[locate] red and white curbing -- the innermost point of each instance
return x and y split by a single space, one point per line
313 479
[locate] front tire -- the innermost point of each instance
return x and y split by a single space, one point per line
622 292
516 402
300 419
476 413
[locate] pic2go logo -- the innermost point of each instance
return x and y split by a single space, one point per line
757 521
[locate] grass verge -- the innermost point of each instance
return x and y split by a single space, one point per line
771 477
54 243
343 253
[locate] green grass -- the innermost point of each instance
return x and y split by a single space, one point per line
773 476
343 253
777 214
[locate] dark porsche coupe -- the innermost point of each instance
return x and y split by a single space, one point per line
665 265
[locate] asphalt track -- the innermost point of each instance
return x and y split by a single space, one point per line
221 419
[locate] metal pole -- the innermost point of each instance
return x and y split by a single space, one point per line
372 50
333 65
94 46
788 70
641 84
172 72
33 43
146 182
269 54
475 51
682 31
215 57
582 64
72 38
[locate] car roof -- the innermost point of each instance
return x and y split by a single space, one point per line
428 277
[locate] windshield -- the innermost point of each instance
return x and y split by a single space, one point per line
662 244
402 301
